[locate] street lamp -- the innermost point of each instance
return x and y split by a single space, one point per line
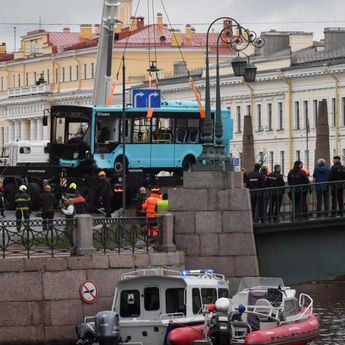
213 156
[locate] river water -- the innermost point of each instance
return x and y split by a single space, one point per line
329 307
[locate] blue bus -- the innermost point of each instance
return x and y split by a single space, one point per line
170 140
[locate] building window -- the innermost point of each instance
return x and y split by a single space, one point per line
63 74
2 84
298 155
33 47
92 70
297 119
48 76
343 110
306 115
13 81
238 111
26 79
261 157
343 158
306 158
315 109
248 110
70 73
35 78
259 123
77 72
269 116
282 161
19 81
84 71
280 115
271 160
334 117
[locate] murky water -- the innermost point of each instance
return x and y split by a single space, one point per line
329 307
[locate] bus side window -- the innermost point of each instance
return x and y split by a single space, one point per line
162 131
181 131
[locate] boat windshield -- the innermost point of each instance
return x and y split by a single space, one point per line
266 282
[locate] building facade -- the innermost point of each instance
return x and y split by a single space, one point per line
283 101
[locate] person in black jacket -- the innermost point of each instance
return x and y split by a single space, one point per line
105 192
275 179
255 180
2 200
337 190
47 201
298 177
22 200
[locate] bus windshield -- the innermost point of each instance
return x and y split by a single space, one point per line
71 125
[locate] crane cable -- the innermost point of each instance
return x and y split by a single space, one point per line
113 86
190 79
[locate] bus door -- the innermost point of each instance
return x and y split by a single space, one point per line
139 152
162 143
187 139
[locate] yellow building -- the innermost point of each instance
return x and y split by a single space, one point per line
59 67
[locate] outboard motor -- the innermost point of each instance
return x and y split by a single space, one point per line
107 328
221 323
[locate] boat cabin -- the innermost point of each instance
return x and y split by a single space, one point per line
166 295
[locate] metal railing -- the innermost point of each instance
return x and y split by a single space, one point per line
127 234
298 202
32 238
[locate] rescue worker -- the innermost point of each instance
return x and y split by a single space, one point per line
141 197
105 192
337 190
150 207
255 180
297 177
22 200
275 179
47 202
2 200
68 210
163 205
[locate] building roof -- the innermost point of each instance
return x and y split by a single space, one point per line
159 37
6 57
62 40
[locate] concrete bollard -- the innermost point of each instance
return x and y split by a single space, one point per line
168 233
83 236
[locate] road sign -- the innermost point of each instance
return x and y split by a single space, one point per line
88 291
146 98
235 162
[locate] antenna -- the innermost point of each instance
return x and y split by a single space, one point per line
15 38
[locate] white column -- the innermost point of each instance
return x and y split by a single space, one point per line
33 129
39 129
10 131
16 130
24 129
46 130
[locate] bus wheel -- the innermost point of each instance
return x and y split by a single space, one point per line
9 196
118 166
35 194
187 163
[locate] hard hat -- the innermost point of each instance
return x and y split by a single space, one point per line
47 188
72 186
23 188
102 173
142 190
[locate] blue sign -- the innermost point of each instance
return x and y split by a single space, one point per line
236 162
146 98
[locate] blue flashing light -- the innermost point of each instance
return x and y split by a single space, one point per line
185 273
207 270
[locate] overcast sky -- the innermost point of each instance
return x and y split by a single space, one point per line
258 15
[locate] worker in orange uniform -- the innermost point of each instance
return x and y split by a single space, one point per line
150 207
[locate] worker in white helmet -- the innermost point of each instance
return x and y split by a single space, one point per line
22 199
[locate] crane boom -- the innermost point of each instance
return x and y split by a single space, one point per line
103 78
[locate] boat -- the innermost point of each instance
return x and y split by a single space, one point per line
164 307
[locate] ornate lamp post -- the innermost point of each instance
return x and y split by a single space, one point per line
213 157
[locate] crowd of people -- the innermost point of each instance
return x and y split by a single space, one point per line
266 201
